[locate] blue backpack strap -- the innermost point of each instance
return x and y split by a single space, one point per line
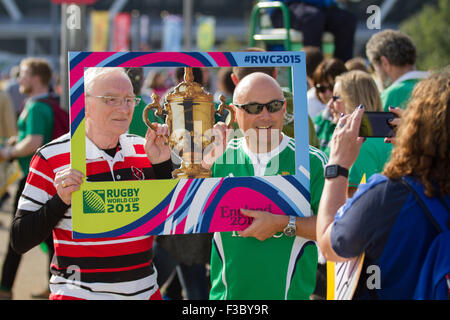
439 218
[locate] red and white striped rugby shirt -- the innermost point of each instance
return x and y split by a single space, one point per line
111 268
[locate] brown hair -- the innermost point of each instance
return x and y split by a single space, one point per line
358 87
329 68
326 70
225 83
422 148
39 67
313 57
136 76
356 63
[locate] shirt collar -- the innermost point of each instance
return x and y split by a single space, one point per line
93 152
265 157
39 96
415 74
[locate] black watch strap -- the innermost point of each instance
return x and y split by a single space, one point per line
335 170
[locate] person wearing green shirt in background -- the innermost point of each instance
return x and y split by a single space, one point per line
392 55
262 262
325 126
7 129
352 89
323 80
35 128
288 125
137 125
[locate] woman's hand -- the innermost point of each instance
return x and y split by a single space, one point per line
66 182
395 122
345 143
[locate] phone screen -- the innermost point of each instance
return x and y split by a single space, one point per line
375 124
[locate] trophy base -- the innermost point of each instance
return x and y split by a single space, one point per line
191 171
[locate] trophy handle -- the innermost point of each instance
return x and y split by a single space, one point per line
154 105
223 106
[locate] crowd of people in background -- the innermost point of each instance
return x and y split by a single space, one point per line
385 187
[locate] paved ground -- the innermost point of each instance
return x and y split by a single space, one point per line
32 274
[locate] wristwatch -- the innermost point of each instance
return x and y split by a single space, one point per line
335 170
8 153
291 227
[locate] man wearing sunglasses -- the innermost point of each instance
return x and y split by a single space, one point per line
261 262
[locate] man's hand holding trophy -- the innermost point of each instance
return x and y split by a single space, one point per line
191 129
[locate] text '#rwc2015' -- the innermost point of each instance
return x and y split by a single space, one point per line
275 59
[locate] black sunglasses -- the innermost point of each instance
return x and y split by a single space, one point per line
257 108
336 98
322 88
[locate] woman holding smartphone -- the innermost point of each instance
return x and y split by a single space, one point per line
398 219
352 89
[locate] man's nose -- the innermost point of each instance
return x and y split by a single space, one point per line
124 107
265 113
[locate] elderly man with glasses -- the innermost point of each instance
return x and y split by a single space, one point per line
113 268
275 257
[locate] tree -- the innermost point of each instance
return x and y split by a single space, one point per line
430 31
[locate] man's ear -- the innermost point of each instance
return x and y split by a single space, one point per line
385 64
86 107
234 111
234 78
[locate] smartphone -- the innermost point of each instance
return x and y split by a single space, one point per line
376 125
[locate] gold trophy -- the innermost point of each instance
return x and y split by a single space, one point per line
190 117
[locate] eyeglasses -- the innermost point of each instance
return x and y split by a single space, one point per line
117 101
323 88
257 108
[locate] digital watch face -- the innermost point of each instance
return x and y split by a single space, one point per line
331 171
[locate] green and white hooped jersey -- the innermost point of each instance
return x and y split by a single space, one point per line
239 161
277 268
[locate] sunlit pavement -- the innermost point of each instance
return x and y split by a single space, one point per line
32 276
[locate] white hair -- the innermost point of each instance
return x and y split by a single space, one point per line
95 73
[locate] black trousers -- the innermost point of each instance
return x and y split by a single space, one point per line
313 21
12 258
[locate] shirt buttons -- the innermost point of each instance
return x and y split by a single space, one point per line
118 177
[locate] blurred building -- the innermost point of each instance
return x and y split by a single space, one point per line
32 27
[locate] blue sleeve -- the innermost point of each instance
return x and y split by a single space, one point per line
363 223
